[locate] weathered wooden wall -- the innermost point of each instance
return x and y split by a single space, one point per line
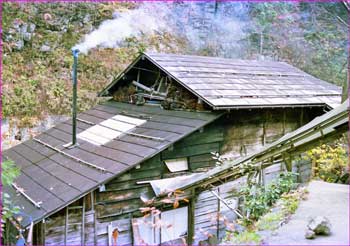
246 131
197 148
239 133
211 214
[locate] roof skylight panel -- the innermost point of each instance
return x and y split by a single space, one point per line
130 120
110 129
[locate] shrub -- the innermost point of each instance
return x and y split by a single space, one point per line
246 237
258 199
330 161
8 174
269 221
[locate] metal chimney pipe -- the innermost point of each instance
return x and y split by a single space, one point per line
74 101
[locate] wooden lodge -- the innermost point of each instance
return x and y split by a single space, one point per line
166 117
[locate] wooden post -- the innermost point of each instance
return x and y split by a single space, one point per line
66 227
284 122
218 215
288 163
138 76
43 231
131 230
93 210
7 232
191 221
299 169
262 176
301 116
83 223
264 133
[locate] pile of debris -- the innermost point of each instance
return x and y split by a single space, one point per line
164 92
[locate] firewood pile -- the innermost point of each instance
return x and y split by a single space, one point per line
123 94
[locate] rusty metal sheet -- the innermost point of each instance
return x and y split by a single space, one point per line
164 186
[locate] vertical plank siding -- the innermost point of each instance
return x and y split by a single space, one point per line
246 131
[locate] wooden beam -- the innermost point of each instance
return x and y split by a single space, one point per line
146 70
190 218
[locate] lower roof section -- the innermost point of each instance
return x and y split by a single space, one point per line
53 176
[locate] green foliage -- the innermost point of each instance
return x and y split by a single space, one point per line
282 209
258 199
269 221
330 161
286 205
290 202
8 174
305 35
20 100
36 83
255 201
246 237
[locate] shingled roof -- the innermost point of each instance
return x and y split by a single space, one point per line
53 176
230 83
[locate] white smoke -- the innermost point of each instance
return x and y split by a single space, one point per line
126 24
201 24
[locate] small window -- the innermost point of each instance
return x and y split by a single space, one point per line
176 165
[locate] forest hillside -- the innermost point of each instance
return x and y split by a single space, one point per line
37 42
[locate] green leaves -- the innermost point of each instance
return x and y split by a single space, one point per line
330 161
258 199
8 174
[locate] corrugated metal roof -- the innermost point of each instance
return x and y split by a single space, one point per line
229 83
54 176
316 129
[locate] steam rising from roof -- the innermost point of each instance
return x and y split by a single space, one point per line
112 32
201 24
